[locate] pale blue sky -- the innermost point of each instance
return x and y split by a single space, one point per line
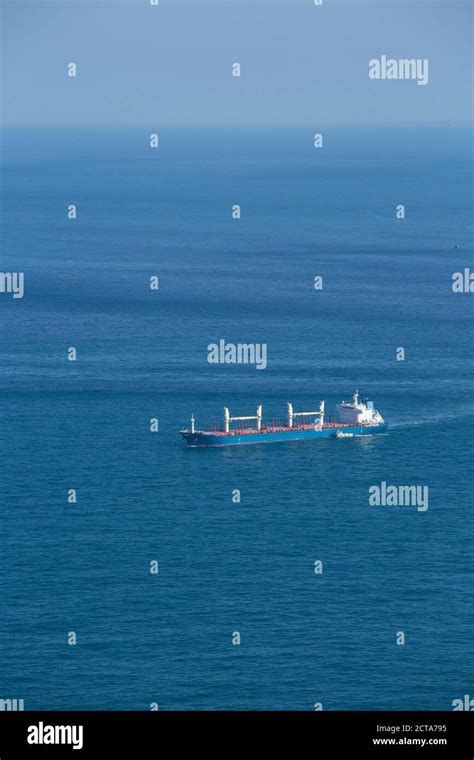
171 64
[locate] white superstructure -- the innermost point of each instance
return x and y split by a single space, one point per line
358 412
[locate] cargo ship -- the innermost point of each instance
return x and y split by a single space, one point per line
352 418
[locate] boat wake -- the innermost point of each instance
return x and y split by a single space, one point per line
429 420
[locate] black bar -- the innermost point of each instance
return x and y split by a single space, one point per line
163 734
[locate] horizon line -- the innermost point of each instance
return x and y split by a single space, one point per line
238 125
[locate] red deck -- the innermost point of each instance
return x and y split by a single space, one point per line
280 429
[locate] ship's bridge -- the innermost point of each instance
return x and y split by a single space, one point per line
358 412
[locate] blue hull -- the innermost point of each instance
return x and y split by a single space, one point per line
235 439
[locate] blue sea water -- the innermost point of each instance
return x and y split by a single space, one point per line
142 496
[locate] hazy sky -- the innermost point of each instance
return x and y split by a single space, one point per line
171 64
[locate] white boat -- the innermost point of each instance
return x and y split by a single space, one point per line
341 434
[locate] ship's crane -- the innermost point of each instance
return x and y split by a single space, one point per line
292 414
228 419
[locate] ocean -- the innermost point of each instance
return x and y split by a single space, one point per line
166 638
